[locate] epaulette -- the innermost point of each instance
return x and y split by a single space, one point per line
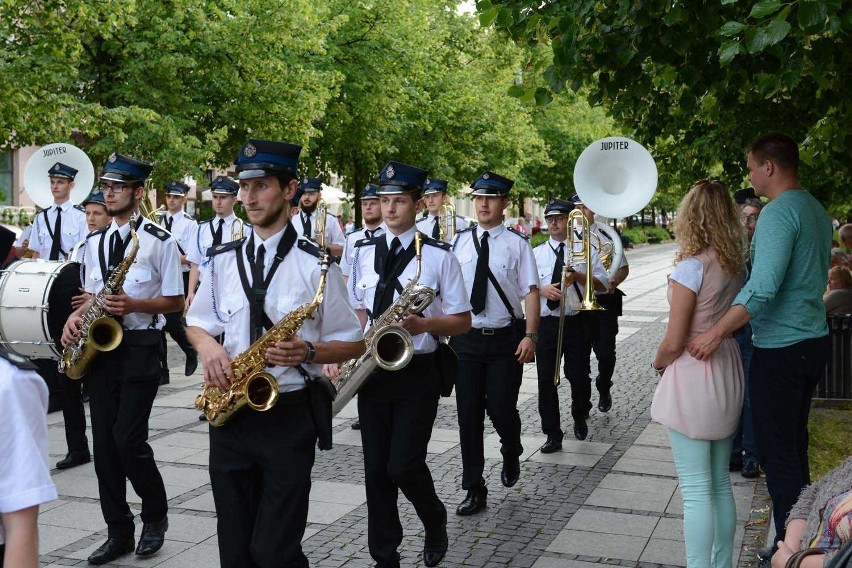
466 230
18 361
427 240
520 234
371 241
309 247
213 251
188 216
97 232
80 208
157 231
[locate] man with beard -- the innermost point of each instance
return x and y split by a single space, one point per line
306 220
260 462
215 231
122 383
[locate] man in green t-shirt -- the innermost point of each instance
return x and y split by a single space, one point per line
783 301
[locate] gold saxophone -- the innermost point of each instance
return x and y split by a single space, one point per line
252 386
389 346
98 331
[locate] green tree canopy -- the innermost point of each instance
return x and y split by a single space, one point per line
697 81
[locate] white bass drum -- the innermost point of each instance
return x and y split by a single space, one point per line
35 302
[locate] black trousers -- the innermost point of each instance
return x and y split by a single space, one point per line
576 350
176 327
260 471
67 394
781 385
122 385
397 411
489 380
604 348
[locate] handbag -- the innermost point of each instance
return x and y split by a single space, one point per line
447 363
843 557
321 394
795 560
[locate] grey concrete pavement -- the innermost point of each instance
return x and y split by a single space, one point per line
612 499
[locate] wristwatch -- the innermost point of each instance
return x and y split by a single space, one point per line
312 352
531 335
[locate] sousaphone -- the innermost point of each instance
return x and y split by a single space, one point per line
615 177
37 182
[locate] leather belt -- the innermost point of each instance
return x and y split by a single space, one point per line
492 330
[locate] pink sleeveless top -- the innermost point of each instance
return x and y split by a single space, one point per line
703 399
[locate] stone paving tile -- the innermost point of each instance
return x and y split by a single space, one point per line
634 500
566 458
201 457
599 545
203 555
649 453
638 483
53 537
170 548
652 467
174 418
591 520
546 562
189 440
73 515
343 493
203 502
659 551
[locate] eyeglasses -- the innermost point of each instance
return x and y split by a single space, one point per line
556 218
116 188
748 218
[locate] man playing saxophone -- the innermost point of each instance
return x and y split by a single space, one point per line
122 383
307 221
397 409
260 462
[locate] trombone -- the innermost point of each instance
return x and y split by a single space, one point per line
589 302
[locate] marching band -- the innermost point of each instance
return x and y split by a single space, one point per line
283 311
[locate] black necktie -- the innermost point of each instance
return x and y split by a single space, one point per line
395 244
368 233
306 227
217 235
435 232
116 251
257 267
56 246
387 284
169 221
480 281
557 274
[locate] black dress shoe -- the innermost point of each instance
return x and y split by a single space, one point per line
605 402
202 417
191 363
511 471
437 542
551 445
356 425
164 379
110 550
153 535
73 459
581 430
474 502
751 469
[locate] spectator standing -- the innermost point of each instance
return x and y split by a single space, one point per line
700 400
838 298
783 300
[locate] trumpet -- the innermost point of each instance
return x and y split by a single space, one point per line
447 223
237 228
322 219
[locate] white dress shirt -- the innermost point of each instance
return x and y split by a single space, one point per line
511 260
427 224
156 271
545 258
183 231
439 271
333 233
74 229
202 237
349 248
221 305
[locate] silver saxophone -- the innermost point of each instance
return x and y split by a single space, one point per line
389 346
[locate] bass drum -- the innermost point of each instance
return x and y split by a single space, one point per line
35 302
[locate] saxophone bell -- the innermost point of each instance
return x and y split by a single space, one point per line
261 391
105 334
392 348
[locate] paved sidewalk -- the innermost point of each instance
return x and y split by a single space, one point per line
612 499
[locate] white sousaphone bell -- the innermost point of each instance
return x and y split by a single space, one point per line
37 182
615 177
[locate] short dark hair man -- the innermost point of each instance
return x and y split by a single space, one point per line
783 300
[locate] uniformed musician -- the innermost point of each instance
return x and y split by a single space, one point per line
397 409
122 383
499 274
216 231
73 412
434 196
260 462
579 330
183 228
371 214
58 228
55 232
305 221
609 299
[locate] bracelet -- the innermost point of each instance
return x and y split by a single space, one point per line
531 335
658 371
311 353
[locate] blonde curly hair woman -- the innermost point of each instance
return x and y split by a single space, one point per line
700 401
